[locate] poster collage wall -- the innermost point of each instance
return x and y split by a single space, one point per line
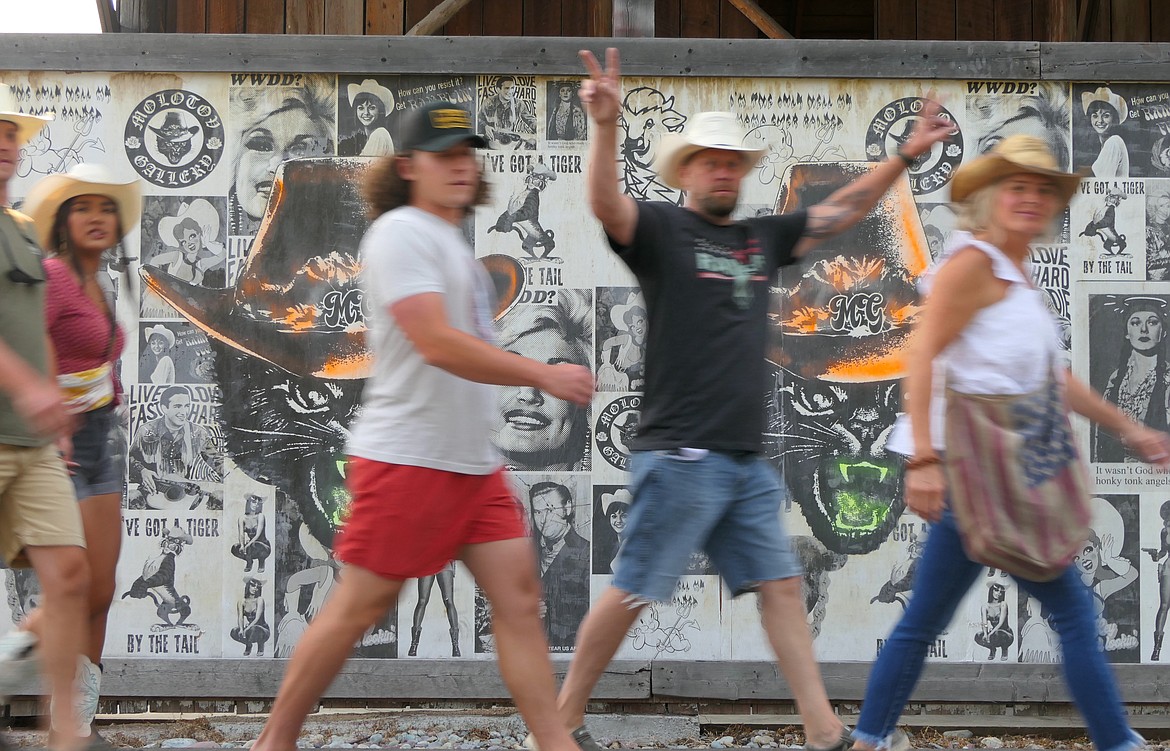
239 288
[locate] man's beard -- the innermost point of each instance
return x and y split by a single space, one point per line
718 206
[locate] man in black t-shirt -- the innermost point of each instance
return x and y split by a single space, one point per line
698 478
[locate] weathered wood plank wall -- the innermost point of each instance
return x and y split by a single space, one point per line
998 20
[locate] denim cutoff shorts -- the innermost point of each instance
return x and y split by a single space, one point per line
727 505
99 469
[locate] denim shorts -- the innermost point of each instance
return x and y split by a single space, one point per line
99 470
685 500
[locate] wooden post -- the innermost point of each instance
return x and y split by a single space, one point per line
108 17
633 18
142 16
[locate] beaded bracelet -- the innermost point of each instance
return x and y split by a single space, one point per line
918 462
909 160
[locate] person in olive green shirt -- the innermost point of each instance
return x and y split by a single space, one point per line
40 524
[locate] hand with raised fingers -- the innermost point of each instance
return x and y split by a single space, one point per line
601 93
931 128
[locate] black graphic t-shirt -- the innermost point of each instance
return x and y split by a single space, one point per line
706 288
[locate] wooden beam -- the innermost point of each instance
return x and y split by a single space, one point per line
108 17
437 18
557 56
762 20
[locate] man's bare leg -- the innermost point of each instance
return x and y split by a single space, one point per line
64 576
356 603
506 570
786 624
598 639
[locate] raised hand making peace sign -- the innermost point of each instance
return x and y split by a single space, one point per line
602 92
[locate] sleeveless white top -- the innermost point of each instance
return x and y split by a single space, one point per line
1006 348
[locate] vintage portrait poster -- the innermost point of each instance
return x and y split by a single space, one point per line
1154 577
1120 341
1108 230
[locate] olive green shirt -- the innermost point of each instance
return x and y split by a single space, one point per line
22 316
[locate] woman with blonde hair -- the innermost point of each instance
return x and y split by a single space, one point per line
277 124
79 216
986 330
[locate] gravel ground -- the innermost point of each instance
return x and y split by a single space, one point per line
493 732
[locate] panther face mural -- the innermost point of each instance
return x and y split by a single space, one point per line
829 441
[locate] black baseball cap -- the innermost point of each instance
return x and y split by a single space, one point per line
438 126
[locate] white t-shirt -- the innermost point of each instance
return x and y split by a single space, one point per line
414 413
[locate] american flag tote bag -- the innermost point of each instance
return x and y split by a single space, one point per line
1018 489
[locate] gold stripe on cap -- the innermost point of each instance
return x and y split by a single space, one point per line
453 118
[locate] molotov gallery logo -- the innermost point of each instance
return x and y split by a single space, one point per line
174 138
891 127
616 426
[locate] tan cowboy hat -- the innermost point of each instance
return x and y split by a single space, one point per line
200 211
160 330
706 130
374 89
1012 156
27 126
1106 95
84 179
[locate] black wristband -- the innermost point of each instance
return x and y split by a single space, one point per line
909 160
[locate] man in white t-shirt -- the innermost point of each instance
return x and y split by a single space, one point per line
427 486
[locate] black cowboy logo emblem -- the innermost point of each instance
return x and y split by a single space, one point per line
174 138
890 128
616 427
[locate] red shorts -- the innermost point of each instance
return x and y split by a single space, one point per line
405 522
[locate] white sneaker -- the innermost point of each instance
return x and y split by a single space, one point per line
88 688
18 662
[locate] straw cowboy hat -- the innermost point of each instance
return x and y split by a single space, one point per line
27 126
1104 94
84 179
200 211
706 130
374 89
297 302
162 331
1013 155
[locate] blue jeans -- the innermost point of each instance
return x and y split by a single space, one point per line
728 506
944 575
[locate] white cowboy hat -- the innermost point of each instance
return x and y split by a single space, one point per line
617 314
706 130
374 89
200 211
618 496
1012 156
27 126
1106 95
46 197
160 330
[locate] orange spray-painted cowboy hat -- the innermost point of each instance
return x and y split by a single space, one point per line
297 302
